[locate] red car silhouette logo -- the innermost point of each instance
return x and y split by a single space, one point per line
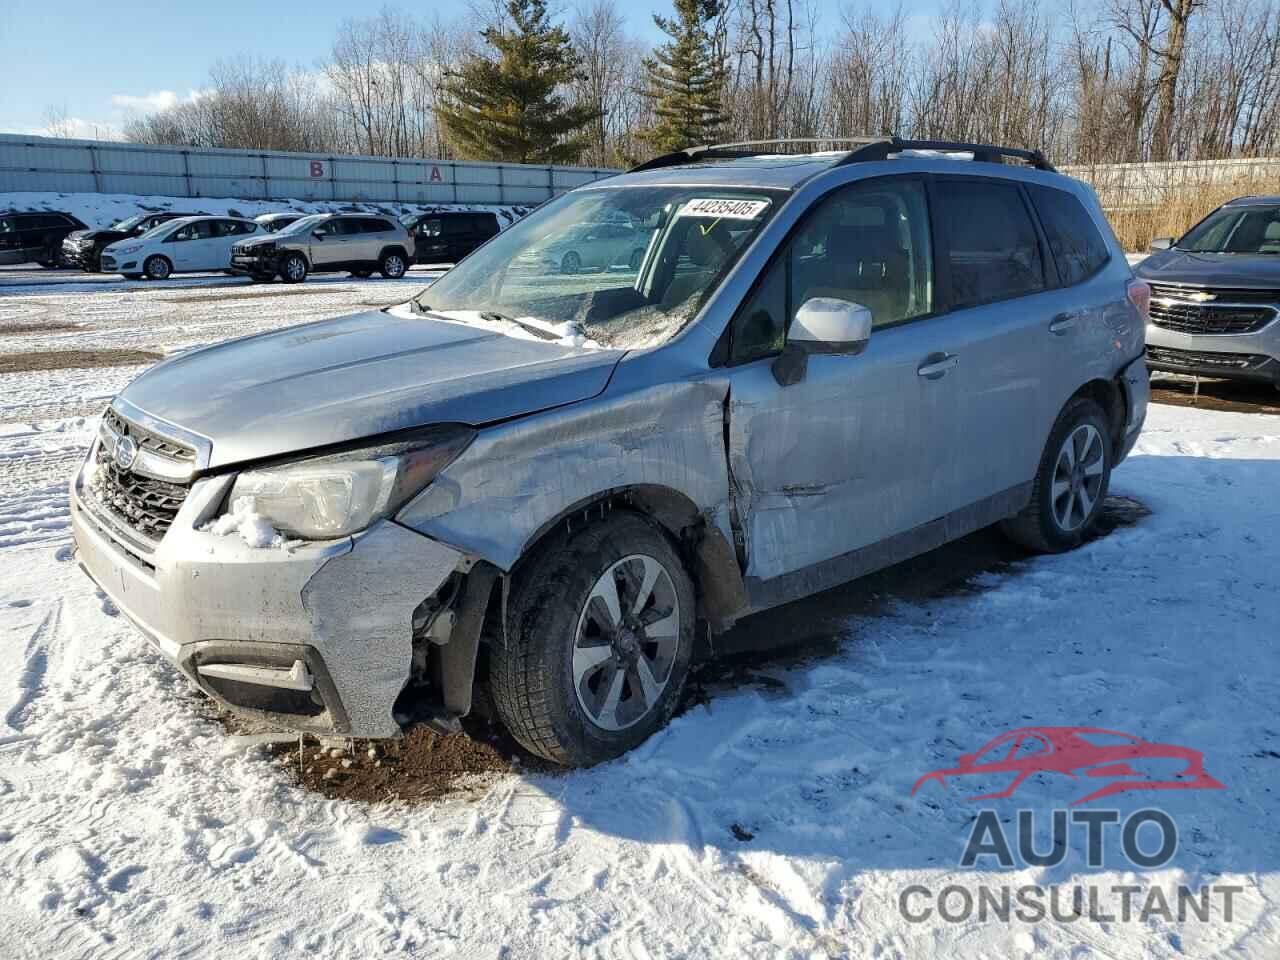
1078 752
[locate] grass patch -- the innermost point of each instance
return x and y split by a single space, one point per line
73 359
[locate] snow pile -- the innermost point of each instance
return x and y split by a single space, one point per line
243 519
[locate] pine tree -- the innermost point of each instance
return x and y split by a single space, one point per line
508 108
686 79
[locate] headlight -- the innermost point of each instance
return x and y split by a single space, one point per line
132 248
332 497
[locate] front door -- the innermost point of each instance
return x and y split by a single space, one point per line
327 246
843 459
190 245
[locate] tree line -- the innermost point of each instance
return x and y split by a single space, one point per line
1098 82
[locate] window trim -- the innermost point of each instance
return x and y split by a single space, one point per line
722 353
1048 262
1062 284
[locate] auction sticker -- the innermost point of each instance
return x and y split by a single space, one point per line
724 209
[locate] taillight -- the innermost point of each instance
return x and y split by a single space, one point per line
1140 296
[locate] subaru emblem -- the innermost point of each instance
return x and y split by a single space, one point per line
126 453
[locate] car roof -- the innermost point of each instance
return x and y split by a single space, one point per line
14 212
192 217
768 172
1259 200
282 213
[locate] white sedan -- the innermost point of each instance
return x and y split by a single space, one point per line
189 245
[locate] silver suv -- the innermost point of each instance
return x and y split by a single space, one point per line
545 485
354 243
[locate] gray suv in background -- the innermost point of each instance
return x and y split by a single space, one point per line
546 485
1215 295
353 243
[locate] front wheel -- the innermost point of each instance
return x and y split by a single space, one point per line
600 627
570 263
294 268
157 268
392 266
1072 482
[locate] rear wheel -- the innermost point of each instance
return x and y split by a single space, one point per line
392 266
1072 482
570 263
157 268
599 636
294 268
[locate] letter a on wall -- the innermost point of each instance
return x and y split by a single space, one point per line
435 175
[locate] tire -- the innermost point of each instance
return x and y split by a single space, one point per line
1056 519
294 268
157 267
570 262
637 258
392 265
566 686
362 274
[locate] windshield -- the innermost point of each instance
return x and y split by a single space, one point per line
629 266
303 225
1251 229
124 226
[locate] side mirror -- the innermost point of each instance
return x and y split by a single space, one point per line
1161 243
317 234
822 325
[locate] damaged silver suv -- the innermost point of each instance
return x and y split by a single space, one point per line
543 485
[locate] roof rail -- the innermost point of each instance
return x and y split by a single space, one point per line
743 148
985 152
866 149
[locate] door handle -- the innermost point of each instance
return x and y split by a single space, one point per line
936 365
1062 324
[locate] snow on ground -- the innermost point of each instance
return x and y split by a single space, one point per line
104 209
770 821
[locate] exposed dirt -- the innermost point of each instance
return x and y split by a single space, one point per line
1232 396
11 329
72 359
242 291
426 766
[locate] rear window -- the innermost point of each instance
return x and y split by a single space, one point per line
375 226
993 251
1074 240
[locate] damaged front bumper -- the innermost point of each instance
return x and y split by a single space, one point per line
315 636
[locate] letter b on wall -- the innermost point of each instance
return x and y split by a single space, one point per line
317 169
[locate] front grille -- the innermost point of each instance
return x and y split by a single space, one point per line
1222 294
1206 318
1200 358
145 505
147 440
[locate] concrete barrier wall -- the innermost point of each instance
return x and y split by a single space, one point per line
94 166
1121 185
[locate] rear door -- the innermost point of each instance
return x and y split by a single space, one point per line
844 458
1000 279
226 234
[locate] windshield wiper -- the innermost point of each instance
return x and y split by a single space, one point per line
493 316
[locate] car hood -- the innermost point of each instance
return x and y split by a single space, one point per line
257 241
360 376
1211 269
94 234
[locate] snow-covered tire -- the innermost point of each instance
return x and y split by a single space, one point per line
557 659
157 268
294 268
1071 483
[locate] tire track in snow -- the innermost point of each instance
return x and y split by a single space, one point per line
30 678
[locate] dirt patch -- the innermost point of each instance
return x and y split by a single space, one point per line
13 329
423 765
245 291
1231 396
73 359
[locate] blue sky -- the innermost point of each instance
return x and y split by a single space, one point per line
99 60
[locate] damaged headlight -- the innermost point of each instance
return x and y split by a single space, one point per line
331 497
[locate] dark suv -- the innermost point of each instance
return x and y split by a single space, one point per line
1215 295
448 236
35 236
83 248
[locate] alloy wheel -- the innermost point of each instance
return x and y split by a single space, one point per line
394 266
627 639
1077 477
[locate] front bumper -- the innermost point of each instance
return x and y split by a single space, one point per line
77 255
255 266
1228 356
316 637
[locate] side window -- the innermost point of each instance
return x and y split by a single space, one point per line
429 228
6 225
326 229
454 226
377 226
868 243
184 233
1074 240
994 252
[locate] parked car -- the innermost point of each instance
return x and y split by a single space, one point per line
275 222
186 245
548 485
35 236
83 248
327 242
592 246
1216 295
448 236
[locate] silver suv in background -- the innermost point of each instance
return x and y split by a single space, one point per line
355 243
1216 295
547 484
